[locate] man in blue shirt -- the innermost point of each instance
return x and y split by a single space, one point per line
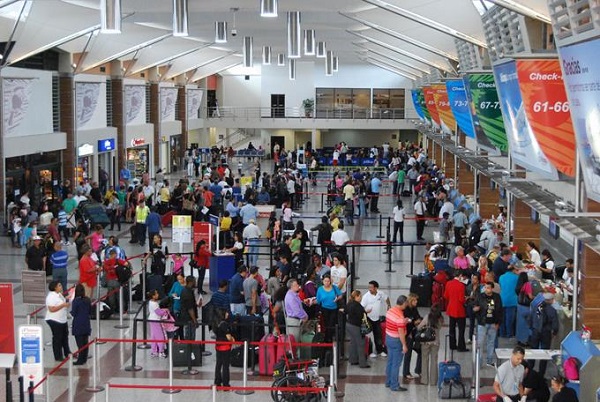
508 294
247 213
233 209
59 260
216 190
375 187
236 292
153 224
220 299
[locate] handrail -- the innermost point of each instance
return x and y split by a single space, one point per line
228 112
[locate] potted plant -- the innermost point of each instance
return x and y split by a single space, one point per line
308 104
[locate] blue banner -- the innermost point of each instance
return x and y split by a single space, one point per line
415 99
523 145
460 106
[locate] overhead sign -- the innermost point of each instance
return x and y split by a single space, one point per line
428 92
484 97
85 150
416 104
7 329
524 147
136 142
31 355
106 145
182 229
442 103
581 74
213 220
423 104
547 109
459 104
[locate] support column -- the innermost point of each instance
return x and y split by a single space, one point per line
67 125
488 197
155 120
182 116
466 179
589 289
448 164
118 114
524 229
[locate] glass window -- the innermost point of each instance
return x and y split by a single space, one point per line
361 100
324 103
343 103
397 102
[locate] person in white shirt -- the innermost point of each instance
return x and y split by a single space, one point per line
373 301
291 188
339 273
398 214
57 308
79 197
374 152
420 208
349 193
446 207
386 149
252 234
336 157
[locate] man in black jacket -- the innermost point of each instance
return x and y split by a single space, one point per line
488 308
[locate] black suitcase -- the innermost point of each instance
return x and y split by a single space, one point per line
250 332
96 214
406 193
237 356
421 285
155 282
181 355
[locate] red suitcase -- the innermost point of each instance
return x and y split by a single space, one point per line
267 354
167 219
487 398
383 333
284 345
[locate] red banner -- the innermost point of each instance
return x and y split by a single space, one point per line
442 104
429 94
7 329
547 109
202 231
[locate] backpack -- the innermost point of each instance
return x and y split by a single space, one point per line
123 273
571 369
158 266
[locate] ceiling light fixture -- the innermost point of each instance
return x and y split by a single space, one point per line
266 55
180 18
110 16
309 42
292 68
247 48
220 32
281 59
321 50
268 8
329 64
294 34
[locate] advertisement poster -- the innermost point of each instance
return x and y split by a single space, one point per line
443 107
203 231
31 355
428 92
581 74
423 104
524 147
182 229
547 109
416 104
168 98
7 329
459 105
484 97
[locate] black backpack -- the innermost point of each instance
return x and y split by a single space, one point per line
123 273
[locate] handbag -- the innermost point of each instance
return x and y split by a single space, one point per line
424 334
365 326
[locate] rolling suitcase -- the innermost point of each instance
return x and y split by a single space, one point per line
183 352
448 369
486 398
305 352
421 285
267 354
237 356
155 282
252 328
406 193
284 345
167 219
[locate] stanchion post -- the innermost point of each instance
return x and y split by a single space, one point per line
98 311
380 236
355 263
47 385
21 389
171 390
412 259
388 247
321 211
133 366
214 393
245 375
130 287
144 326
30 392
9 396
203 346
71 384
477 374
107 399
144 281
95 387
121 325
189 370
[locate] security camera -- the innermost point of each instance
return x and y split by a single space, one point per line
233 32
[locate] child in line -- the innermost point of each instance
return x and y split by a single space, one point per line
178 261
156 330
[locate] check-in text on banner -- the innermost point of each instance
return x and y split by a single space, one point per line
443 107
430 103
459 104
485 100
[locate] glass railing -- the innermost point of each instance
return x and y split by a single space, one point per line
225 112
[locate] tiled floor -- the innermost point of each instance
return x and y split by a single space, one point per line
354 384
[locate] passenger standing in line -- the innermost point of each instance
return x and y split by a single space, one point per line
488 310
398 214
223 348
373 301
82 327
56 318
430 350
395 331
355 313
455 302
156 332
420 209
411 312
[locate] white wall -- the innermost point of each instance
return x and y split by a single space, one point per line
359 76
358 138
237 92
275 80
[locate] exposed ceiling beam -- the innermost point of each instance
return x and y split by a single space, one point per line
204 63
198 76
419 19
422 70
401 51
4 3
389 59
401 37
385 67
522 10
391 64
127 51
173 57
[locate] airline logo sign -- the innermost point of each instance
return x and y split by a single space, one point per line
548 112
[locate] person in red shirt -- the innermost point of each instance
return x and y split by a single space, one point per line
201 259
53 230
112 279
455 302
88 270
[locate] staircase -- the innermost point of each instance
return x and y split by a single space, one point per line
239 139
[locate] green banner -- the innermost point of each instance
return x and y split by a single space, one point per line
487 108
421 99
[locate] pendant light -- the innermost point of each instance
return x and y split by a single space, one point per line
110 16
268 8
294 34
220 32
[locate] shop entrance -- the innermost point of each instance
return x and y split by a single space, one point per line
106 170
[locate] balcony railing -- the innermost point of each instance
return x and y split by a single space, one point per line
225 112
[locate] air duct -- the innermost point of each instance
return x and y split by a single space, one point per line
281 59
292 69
309 42
329 64
321 50
266 55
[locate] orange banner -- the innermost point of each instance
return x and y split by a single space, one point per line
429 94
547 109
442 103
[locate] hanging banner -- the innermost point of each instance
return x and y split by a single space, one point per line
87 95
581 74
7 329
168 98
547 109
194 101
483 93
459 105
524 147
415 98
443 107
135 104
428 93
483 142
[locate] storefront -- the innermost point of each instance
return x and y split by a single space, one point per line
96 158
138 157
39 174
177 153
